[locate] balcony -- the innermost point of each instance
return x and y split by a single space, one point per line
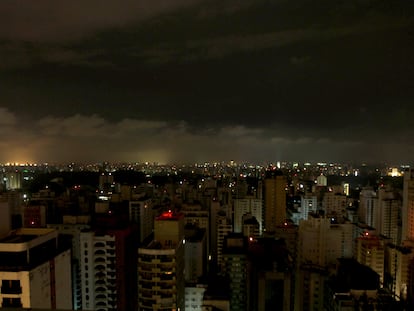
11 290
99 245
11 303
11 287
100 260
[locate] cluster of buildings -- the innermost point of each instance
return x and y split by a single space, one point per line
278 241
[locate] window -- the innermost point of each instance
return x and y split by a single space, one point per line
11 303
11 287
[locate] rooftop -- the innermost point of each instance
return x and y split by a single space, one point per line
23 235
26 238
170 215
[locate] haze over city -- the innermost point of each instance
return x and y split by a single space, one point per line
206 80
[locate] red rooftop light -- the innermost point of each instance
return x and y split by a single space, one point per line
168 214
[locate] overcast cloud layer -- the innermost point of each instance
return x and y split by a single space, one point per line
206 80
48 20
92 138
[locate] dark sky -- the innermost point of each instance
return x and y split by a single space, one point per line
207 80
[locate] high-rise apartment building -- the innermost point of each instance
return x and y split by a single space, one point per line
108 269
389 212
399 267
195 214
308 204
195 253
13 179
368 211
106 182
73 226
12 209
289 233
320 244
5 218
224 227
274 199
334 204
34 216
215 210
247 205
270 275
371 252
321 181
161 284
310 286
35 270
355 286
194 297
235 268
408 206
141 213
251 228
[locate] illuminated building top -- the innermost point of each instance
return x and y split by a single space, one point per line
170 215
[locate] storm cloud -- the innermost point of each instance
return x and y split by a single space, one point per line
206 80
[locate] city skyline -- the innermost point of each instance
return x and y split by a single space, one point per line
197 80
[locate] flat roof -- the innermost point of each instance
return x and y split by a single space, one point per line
170 215
26 238
18 238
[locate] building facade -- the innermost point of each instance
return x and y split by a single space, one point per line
35 270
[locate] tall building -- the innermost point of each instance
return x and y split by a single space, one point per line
48 198
408 206
270 275
321 181
334 204
289 233
248 205
195 214
308 204
355 286
35 270
250 227
14 200
389 211
141 213
5 218
310 286
320 244
274 199
371 252
161 284
224 227
34 216
235 268
215 210
368 211
195 253
216 297
13 180
108 268
73 226
106 182
194 297
399 269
